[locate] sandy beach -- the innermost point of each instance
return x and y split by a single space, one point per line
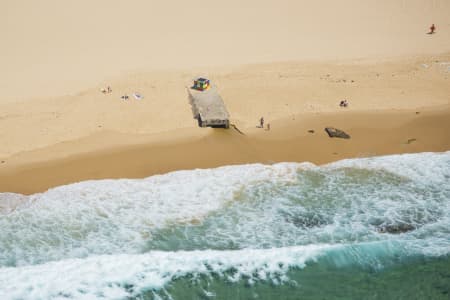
109 189
292 64
299 140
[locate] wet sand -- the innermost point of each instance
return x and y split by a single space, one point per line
372 134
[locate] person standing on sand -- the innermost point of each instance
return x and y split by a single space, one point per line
261 122
432 29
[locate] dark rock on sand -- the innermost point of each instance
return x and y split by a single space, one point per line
311 131
334 132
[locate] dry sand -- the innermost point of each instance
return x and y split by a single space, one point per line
53 47
289 61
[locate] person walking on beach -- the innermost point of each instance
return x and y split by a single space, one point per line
261 122
432 29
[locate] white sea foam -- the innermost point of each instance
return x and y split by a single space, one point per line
127 275
339 203
116 216
10 201
119 276
421 167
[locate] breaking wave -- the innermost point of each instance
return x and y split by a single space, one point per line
114 239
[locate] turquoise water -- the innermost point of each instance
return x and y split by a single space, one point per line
417 279
367 228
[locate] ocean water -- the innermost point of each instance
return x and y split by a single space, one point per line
366 228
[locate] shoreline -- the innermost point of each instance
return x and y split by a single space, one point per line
114 155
